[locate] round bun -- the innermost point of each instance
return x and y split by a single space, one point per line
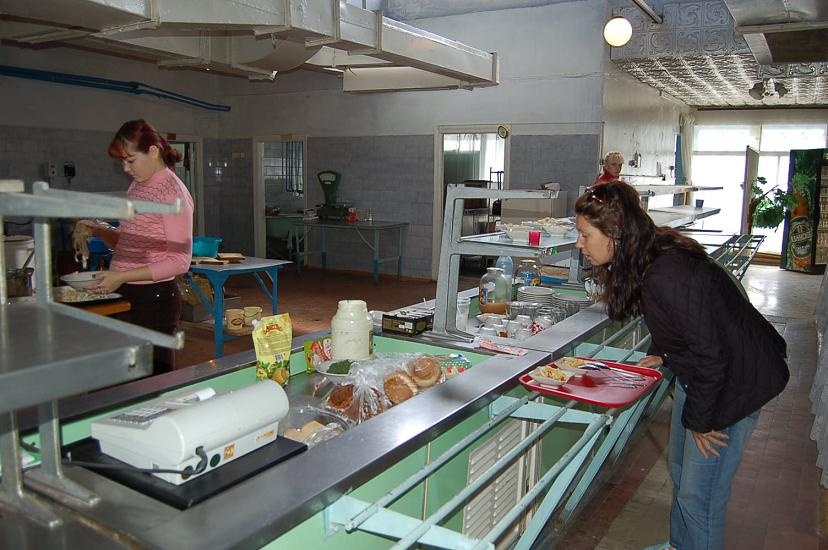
399 386
425 371
358 405
342 397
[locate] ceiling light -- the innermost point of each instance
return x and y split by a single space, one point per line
617 31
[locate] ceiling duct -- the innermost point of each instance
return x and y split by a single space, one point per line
783 31
255 38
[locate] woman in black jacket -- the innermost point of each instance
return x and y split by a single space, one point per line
728 359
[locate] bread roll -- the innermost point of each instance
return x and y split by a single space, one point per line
425 371
399 386
341 397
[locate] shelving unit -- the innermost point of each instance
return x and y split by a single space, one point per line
50 350
454 245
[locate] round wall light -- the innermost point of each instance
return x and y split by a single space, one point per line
617 31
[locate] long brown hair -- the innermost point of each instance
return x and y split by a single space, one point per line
140 135
614 208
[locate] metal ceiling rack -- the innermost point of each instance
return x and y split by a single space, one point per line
50 350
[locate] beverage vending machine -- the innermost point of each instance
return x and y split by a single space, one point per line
805 236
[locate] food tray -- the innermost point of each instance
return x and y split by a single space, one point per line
599 387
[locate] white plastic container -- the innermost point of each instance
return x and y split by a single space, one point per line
17 248
462 318
352 331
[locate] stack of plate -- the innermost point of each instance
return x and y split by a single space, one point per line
571 302
536 294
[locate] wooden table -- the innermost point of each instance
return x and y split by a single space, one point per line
108 308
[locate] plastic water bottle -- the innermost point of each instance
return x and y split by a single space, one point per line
507 265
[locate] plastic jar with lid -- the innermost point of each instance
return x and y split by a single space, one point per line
528 273
494 291
352 331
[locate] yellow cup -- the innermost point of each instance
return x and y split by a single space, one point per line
252 313
235 319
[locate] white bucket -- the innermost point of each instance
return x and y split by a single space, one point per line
17 248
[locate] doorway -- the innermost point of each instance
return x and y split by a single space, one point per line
475 155
278 192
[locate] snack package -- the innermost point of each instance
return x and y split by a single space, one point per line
317 351
272 340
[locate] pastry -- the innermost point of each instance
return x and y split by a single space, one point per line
357 404
425 371
341 397
399 386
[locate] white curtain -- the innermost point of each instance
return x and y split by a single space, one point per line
686 124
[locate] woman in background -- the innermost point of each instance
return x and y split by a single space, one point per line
150 249
728 359
613 163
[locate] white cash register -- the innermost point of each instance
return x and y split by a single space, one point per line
193 431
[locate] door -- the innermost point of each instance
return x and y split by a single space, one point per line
189 171
751 172
478 154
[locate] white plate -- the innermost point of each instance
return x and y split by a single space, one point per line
80 280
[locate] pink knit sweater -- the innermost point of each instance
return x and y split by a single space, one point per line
163 243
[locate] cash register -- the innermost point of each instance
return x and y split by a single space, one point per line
182 436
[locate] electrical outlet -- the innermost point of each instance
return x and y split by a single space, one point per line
49 169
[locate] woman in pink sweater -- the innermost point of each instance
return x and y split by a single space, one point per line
150 249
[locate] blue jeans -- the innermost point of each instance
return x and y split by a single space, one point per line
701 487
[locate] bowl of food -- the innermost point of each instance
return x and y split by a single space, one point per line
80 280
550 375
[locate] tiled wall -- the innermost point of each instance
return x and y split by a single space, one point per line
566 159
228 193
391 175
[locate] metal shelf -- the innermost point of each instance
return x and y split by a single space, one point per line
49 350
47 354
453 245
665 189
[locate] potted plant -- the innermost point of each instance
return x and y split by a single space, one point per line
767 208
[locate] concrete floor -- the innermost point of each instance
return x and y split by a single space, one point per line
776 495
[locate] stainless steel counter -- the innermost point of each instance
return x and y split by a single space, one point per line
271 503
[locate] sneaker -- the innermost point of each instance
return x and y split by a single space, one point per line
662 546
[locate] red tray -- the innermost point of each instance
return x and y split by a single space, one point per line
600 388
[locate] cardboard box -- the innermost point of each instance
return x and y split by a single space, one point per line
408 321
199 312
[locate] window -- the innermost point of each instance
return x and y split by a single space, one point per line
719 161
284 163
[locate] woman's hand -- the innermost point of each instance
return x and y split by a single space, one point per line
108 282
707 442
650 361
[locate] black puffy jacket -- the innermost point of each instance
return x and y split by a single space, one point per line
729 358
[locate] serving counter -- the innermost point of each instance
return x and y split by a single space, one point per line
304 501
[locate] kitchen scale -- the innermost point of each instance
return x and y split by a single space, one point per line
331 210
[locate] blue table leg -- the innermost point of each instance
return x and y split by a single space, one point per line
217 280
376 256
273 273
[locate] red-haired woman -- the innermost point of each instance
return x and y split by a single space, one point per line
150 249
